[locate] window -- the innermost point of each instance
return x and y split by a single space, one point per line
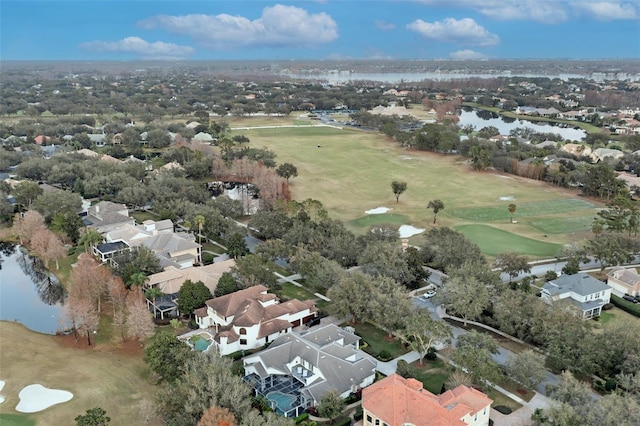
369 419
243 331
243 341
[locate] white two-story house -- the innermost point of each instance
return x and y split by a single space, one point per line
587 294
250 318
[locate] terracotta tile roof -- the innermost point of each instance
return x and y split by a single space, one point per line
397 401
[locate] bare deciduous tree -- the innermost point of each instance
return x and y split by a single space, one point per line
24 227
139 324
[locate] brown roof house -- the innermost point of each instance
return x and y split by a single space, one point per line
624 281
396 401
250 318
300 367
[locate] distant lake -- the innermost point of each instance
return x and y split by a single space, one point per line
480 119
29 294
398 77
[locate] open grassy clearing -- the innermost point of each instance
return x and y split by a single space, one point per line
494 241
351 171
116 380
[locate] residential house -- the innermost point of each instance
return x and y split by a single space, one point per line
396 401
580 291
576 149
170 281
106 216
203 137
547 144
41 139
624 281
300 367
99 139
600 154
172 249
252 317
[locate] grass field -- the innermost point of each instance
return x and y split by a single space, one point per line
380 219
351 171
113 379
540 208
494 241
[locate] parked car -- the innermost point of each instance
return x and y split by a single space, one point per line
429 294
630 298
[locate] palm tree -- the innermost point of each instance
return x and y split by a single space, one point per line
436 206
137 279
512 210
89 239
199 221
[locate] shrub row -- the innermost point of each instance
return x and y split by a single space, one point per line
632 308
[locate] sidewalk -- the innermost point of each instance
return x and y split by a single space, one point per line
389 367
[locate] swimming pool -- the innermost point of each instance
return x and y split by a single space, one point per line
201 344
284 401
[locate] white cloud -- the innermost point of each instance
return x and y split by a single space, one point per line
464 31
140 47
607 10
279 26
385 26
467 54
544 11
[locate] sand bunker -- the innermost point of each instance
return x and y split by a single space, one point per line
377 210
1 386
507 198
407 231
34 398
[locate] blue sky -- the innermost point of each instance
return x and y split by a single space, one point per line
323 29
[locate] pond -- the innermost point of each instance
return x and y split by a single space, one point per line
481 118
29 294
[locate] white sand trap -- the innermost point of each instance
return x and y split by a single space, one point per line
34 398
377 210
509 198
407 231
2 383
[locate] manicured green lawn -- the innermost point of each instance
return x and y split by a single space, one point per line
432 374
540 208
494 241
141 216
290 291
501 399
16 420
563 225
377 340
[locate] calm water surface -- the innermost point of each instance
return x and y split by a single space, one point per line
29 294
480 119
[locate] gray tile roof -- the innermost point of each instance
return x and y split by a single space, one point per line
329 349
580 283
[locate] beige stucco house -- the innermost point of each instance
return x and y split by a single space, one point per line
624 281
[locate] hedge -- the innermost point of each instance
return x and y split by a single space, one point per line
632 308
